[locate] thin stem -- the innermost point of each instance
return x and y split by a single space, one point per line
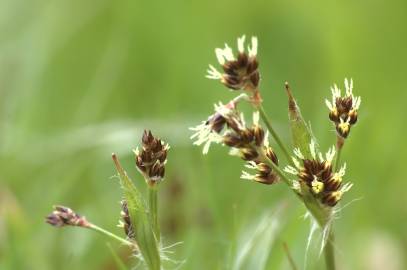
152 203
329 252
273 133
111 235
289 257
339 145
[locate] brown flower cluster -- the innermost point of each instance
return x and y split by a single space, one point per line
240 72
227 126
152 157
343 111
317 176
125 223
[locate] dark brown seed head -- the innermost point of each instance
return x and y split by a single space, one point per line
126 221
321 180
64 216
271 155
267 179
331 198
240 71
258 134
217 122
151 159
249 154
232 139
344 110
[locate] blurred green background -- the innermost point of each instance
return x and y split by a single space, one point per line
81 79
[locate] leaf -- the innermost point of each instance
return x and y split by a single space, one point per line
300 131
119 263
255 242
140 220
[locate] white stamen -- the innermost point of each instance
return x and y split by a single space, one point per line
349 87
251 165
253 49
321 158
329 105
213 73
246 175
346 187
266 142
291 170
228 53
356 102
330 154
234 152
256 118
296 162
342 170
204 135
219 56
312 149
296 185
298 153
240 43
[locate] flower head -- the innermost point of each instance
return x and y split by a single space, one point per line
125 223
152 157
64 216
316 176
250 143
239 72
343 109
210 131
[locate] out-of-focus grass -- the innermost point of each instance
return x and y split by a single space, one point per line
81 79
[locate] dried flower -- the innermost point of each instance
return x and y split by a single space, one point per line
125 223
64 216
317 176
152 158
343 110
240 72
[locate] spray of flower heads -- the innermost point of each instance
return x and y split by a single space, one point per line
317 179
139 217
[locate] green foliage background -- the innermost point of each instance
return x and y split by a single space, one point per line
80 79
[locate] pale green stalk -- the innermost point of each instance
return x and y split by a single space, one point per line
111 235
153 207
274 134
339 145
329 252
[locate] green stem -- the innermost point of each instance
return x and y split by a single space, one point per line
111 235
273 133
152 203
329 252
339 145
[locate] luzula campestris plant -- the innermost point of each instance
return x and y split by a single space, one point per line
138 218
318 181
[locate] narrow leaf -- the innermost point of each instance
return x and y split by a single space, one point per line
139 216
300 131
